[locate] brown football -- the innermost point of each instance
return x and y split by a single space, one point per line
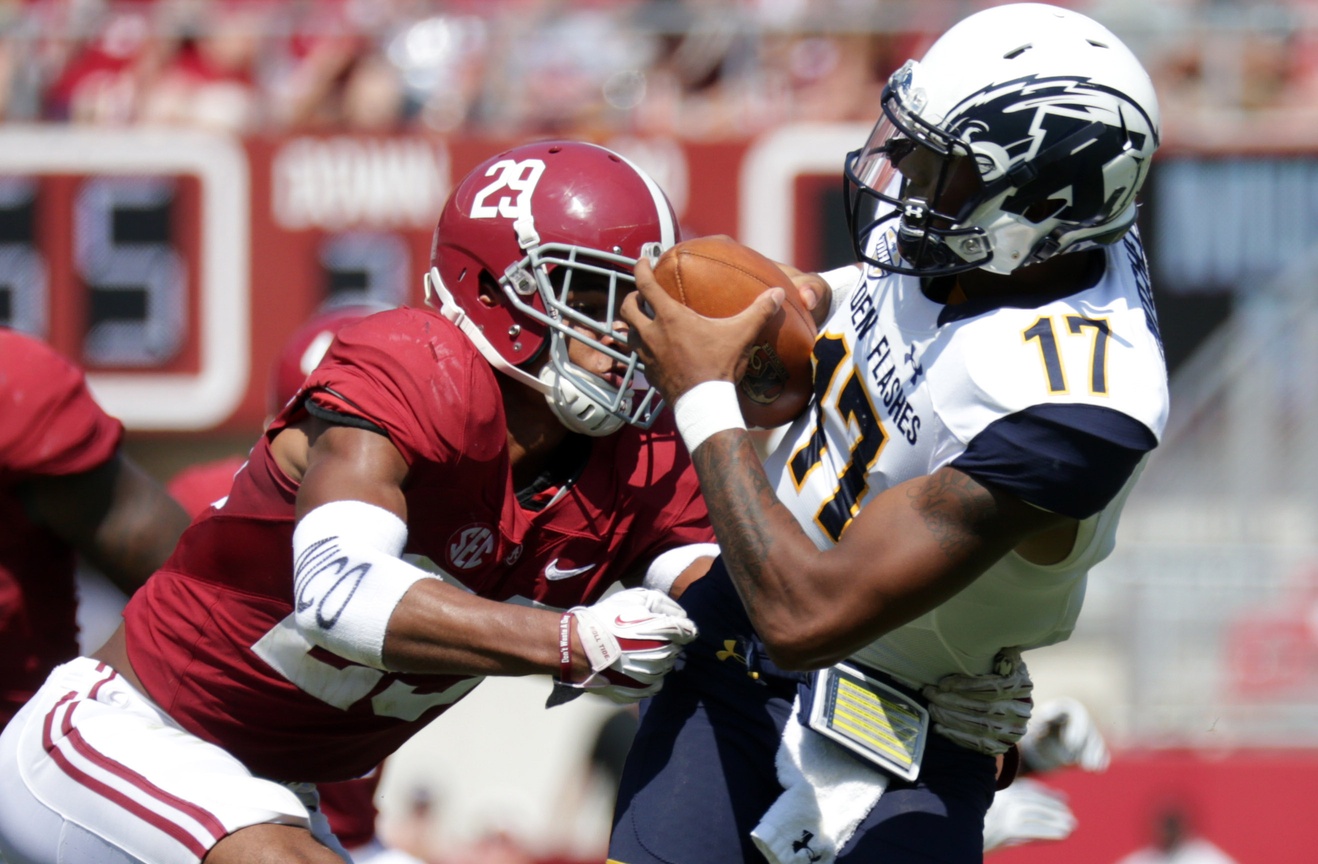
718 277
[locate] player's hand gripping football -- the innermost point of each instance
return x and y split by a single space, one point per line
987 713
815 292
631 638
681 348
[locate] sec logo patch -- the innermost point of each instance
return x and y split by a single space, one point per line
470 547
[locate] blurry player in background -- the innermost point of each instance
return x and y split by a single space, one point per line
198 486
349 805
1061 734
985 391
66 490
1175 841
287 643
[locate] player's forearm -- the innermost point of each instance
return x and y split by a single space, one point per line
440 629
139 532
355 597
768 555
116 516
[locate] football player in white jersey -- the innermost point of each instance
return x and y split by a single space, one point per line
987 385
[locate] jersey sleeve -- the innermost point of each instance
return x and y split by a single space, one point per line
1068 459
49 423
1056 404
411 376
688 520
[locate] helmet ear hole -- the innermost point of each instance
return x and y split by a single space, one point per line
1045 209
488 293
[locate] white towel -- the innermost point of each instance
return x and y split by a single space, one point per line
827 794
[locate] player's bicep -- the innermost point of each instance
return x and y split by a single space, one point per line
967 519
72 505
924 540
347 463
909 549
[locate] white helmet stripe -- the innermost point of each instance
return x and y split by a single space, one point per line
667 226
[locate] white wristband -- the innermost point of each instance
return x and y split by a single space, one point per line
667 566
707 409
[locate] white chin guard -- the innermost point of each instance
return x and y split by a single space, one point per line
575 409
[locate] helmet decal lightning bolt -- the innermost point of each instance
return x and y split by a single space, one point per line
1020 122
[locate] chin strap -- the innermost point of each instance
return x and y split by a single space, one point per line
439 298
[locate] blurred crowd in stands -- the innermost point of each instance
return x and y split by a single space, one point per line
697 69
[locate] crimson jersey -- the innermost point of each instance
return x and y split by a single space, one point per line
212 636
49 426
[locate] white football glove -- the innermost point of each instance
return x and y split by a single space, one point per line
1026 811
985 713
632 638
1062 733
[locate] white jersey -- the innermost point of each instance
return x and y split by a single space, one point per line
1055 399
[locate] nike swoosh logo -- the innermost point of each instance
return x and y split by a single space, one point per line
623 622
553 574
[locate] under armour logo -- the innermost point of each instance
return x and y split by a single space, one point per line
803 845
918 370
729 651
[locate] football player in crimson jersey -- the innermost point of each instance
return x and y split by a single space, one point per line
987 387
350 804
66 489
287 643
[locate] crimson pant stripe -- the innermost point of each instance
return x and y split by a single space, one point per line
96 688
206 820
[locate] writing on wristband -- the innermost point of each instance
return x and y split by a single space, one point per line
565 648
705 410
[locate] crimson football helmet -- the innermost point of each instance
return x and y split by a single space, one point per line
305 348
1025 131
527 223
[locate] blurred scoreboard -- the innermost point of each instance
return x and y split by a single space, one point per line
172 265
121 250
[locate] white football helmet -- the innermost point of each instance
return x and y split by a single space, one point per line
1024 132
